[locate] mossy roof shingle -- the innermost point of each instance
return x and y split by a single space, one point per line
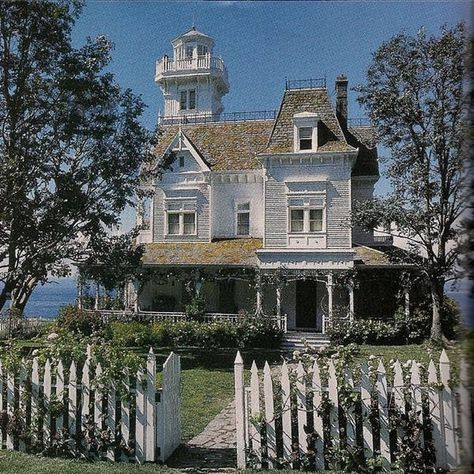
222 145
364 139
330 135
231 252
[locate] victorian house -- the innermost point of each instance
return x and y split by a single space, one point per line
253 213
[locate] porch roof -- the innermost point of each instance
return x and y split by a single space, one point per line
229 252
380 256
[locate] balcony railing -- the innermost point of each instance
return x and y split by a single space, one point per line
205 62
209 118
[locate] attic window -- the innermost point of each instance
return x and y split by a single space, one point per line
306 138
305 131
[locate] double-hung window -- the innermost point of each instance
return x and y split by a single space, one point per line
181 218
243 218
305 138
306 215
187 100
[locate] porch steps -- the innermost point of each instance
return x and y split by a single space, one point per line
293 340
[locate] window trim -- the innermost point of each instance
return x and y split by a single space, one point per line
238 211
305 120
181 214
306 208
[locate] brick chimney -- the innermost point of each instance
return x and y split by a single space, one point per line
341 100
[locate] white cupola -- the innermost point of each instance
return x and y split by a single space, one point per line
193 81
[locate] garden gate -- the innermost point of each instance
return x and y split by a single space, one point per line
77 410
318 415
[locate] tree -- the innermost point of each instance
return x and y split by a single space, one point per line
71 145
414 98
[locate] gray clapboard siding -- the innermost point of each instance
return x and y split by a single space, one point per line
337 214
275 214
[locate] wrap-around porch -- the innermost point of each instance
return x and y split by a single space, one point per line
296 302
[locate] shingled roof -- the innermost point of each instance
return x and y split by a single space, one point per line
330 135
223 145
231 252
364 139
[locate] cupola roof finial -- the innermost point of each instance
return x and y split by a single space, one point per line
194 23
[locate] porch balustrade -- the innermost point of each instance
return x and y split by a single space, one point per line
156 316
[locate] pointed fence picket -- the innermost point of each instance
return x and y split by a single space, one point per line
53 405
381 401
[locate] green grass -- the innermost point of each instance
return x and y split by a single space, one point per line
14 463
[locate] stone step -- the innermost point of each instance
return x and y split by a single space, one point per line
294 340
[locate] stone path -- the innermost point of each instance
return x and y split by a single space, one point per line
213 450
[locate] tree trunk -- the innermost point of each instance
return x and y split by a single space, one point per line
437 297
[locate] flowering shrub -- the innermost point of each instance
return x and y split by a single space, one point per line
76 320
411 329
129 334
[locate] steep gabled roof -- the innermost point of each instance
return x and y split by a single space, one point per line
364 139
223 145
330 135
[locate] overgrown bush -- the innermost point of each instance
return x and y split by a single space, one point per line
411 329
130 334
196 309
77 320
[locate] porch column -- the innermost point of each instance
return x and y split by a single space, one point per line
79 293
136 286
406 293
96 303
329 286
351 303
258 287
278 301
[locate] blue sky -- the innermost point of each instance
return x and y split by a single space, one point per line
261 42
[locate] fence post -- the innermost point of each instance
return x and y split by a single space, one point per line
350 412
10 405
334 409
125 416
22 393
60 395
382 393
269 414
35 400
398 398
47 382
301 407
254 427
239 410
318 421
140 419
466 415
435 415
72 403
151 407
286 413
448 411
365 396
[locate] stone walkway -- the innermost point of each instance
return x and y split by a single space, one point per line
213 450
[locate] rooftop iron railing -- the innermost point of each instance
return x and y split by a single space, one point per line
209 118
315 83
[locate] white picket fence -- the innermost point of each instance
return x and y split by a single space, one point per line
292 413
73 406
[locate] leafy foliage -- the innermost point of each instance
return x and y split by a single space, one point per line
414 97
71 145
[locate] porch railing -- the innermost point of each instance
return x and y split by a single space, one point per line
156 316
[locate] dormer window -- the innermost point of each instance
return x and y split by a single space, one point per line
305 131
306 138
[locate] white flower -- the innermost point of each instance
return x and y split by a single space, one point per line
392 362
372 357
52 336
296 354
35 353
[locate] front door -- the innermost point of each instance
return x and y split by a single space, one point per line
306 307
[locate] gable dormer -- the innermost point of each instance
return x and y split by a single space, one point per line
305 131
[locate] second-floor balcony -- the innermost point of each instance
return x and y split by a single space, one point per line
168 67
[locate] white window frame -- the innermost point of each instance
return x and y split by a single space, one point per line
238 211
305 120
181 211
306 207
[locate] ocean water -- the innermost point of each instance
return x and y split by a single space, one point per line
46 300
